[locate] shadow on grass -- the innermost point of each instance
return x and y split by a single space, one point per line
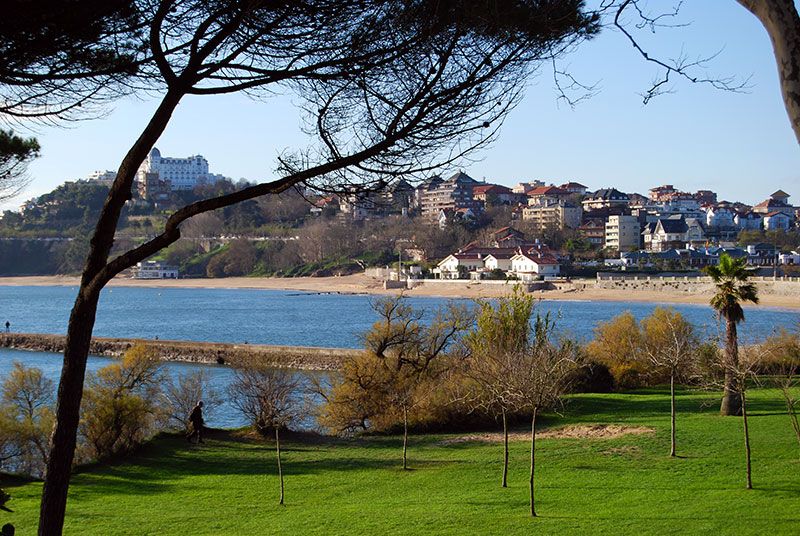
654 402
162 465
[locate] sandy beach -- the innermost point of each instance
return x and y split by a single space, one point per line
361 284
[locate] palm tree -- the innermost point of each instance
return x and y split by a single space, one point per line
730 278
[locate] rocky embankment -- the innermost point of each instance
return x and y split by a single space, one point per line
298 357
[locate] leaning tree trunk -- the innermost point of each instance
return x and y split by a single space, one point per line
746 440
731 399
781 20
533 461
81 324
278 452
672 413
505 448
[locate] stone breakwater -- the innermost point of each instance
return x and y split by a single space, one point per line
295 357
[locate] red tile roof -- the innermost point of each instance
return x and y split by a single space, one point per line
490 189
547 190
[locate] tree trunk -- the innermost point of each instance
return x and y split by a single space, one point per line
533 461
280 469
731 399
672 413
792 412
746 439
781 20
81 324
405 438
505 449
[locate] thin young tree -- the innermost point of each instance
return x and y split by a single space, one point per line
539 377
270 398
732 290
743 372
670 344
389 88
501 334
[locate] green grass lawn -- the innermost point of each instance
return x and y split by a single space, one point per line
626 485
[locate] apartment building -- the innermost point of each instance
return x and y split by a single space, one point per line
553 215
622 233
454 193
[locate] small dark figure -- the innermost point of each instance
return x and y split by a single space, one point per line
196 420
8 326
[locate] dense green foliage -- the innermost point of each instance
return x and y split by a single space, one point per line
602 486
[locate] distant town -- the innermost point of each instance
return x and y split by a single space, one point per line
534 230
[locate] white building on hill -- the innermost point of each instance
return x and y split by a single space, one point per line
182 173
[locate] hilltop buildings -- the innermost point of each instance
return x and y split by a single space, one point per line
166 173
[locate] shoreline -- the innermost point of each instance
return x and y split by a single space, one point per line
362 284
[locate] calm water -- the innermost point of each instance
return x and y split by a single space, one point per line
278 317
294 318
224 416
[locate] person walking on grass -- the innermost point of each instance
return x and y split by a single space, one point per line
196 421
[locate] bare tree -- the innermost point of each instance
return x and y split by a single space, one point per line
390 88
738 375
783 372
270 398
538 377
501 334
670 345
517 367
182 393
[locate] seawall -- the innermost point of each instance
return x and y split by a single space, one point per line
297 357
695 285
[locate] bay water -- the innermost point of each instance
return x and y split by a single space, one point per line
284 318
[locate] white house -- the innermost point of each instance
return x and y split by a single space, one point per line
719 217
789 258
154 270
777 220
748 220
498 261
529 267
448 268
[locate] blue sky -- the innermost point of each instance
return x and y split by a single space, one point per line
738 144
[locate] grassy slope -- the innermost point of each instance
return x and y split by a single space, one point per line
626 485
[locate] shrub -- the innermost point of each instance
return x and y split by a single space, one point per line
120 404
592 377
26 418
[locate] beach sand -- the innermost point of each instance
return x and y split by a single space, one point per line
361 284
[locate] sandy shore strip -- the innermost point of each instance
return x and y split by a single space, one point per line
361 284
